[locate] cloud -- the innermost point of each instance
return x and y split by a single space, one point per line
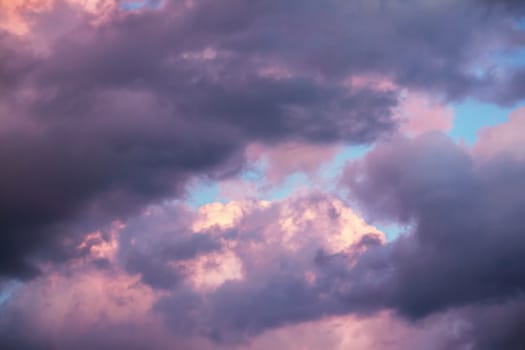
222 284
465 245
504 140
119 113
107 117
466 217
286 159
282 282
246 273
419 114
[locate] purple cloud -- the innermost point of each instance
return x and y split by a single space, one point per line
106 117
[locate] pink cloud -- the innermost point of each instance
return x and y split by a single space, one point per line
506 139
377 332
71 302
418 114
288 158
18 16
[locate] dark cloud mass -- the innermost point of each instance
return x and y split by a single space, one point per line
467 240
112 117
117 116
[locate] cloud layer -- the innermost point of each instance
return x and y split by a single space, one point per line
109 110
124 109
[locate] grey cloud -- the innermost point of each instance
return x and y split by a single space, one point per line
118 119
122 115
467 239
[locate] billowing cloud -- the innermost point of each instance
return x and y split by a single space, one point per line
270 257
200 276
466 241
109 109
251 273
102 117
114 116
462 232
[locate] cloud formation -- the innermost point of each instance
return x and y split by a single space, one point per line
237 275
466 241
109 109
117 113
200 276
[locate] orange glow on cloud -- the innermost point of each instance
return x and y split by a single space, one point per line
100 247
16 16
335 235
222 215
293 228
12 13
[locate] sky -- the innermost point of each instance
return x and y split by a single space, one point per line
249 175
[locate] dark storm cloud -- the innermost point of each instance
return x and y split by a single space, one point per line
406 41
468 234
493 326
468 220
95 165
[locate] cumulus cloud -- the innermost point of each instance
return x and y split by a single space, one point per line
118 113
115 116
106 117
264 269
466 242
250 273
234 279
